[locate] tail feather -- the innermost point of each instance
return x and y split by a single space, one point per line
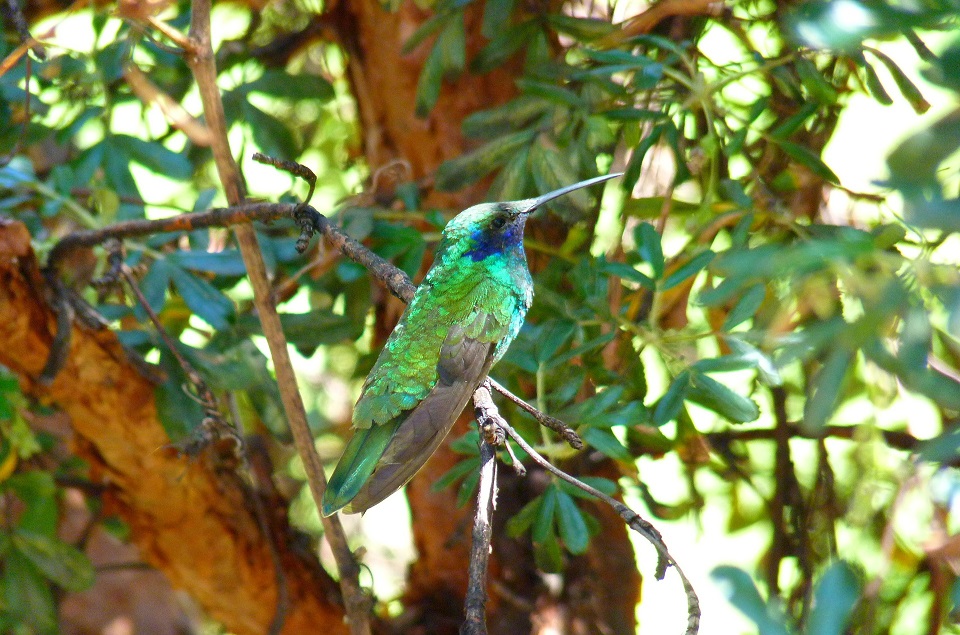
359 459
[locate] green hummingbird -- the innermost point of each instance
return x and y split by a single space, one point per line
462 318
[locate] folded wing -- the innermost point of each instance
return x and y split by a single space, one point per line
463 364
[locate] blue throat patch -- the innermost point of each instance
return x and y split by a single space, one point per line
487 243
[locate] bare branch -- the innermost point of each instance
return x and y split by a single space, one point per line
633 520
543 419
475 604
201 60
178 117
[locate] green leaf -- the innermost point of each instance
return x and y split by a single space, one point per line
740 590
632 114
154 288
37 491
760 360
203 298
513 182
222 263
586 347
792 124
511 116
523 519
726 363
473 166
425 30
746 307
496 15
606 442
915 340
917 160
825 389
552 92
553 335
543 525
945 68
805 157
28 595
278 83
64 564
548 555
874 85
503 46
271 135
573 529
632 172
156 157
907 88
942 448
178 413
814 82
455 473
551 171
714 396
833 600
648 244
625 272
116 167
668 406
468 487
689 269
583 29
453 47
604 485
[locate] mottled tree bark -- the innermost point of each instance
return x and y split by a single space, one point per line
187 519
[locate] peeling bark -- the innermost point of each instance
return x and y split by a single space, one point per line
189 520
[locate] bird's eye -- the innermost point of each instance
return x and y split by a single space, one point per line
498 222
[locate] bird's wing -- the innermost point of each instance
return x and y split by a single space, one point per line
357 463
463 364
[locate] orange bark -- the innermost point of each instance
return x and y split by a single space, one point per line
189 520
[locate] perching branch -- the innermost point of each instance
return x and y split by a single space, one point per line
633 520
565 431
476 600
493 430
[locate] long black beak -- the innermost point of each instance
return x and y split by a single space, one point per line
533 203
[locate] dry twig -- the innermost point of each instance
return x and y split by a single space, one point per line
200 58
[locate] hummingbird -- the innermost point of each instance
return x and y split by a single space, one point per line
462 319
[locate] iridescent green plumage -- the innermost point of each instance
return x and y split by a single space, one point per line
464 315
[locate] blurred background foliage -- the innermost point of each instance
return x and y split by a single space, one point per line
760 349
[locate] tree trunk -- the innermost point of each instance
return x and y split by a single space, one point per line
189 520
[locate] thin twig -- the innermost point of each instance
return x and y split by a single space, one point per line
294 168
633 520
14 13
60 346
543 419
213 428
174 112
395 280
201 62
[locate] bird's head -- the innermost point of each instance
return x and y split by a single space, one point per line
490 229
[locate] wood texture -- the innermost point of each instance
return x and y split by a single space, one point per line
188 520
